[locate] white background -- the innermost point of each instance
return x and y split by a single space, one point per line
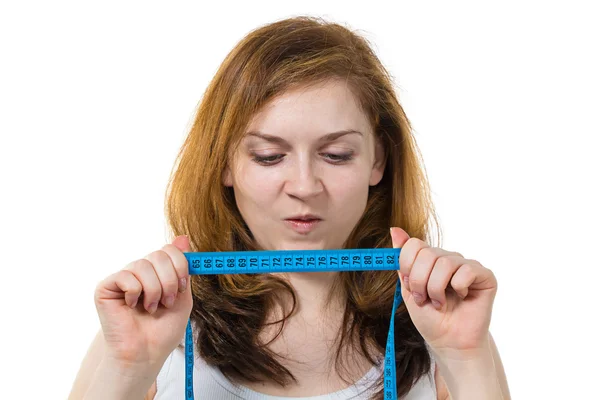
95 100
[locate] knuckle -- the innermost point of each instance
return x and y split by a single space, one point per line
122 274
129 282
111 278
139 265
169 248
98 289
427 253
414 241
120 277
160 257
468 269
101 283
444 262
455 279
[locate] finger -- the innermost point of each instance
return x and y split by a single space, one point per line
184 300
399 239
472 276
151 288
440 277
421 271
164 269
122 284
407 258
175 250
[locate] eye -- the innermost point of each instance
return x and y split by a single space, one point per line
267 160
338 158
275 158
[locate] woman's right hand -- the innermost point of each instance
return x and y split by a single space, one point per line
144 308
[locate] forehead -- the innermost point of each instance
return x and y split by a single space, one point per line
311 110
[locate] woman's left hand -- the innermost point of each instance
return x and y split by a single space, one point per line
449 298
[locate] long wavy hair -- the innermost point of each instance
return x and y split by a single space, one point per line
231 310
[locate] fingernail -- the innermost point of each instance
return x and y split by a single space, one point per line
134 304
182 285
152 307
406 282
418 298
169 300
436 304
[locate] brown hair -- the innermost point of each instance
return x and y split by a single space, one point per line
230 310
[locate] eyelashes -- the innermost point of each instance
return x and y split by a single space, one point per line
276 158
267 160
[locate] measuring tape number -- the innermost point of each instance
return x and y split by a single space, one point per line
265 261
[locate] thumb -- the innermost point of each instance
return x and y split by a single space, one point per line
399 239
182 243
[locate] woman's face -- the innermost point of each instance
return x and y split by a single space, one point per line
309 151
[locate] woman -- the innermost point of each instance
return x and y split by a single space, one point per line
299 143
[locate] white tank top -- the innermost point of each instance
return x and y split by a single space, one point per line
211 384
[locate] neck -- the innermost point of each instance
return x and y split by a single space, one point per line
309 341
316 292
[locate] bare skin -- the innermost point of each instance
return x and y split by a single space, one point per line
294 166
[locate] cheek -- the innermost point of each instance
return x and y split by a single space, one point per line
256 183
349 186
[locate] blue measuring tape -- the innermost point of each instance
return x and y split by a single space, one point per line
265 261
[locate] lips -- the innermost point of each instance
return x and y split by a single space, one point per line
303 224
304 217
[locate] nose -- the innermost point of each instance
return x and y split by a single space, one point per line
304 180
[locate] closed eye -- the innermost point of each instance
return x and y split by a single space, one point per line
267 160
275 158
338 158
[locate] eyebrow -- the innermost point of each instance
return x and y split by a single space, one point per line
279 140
